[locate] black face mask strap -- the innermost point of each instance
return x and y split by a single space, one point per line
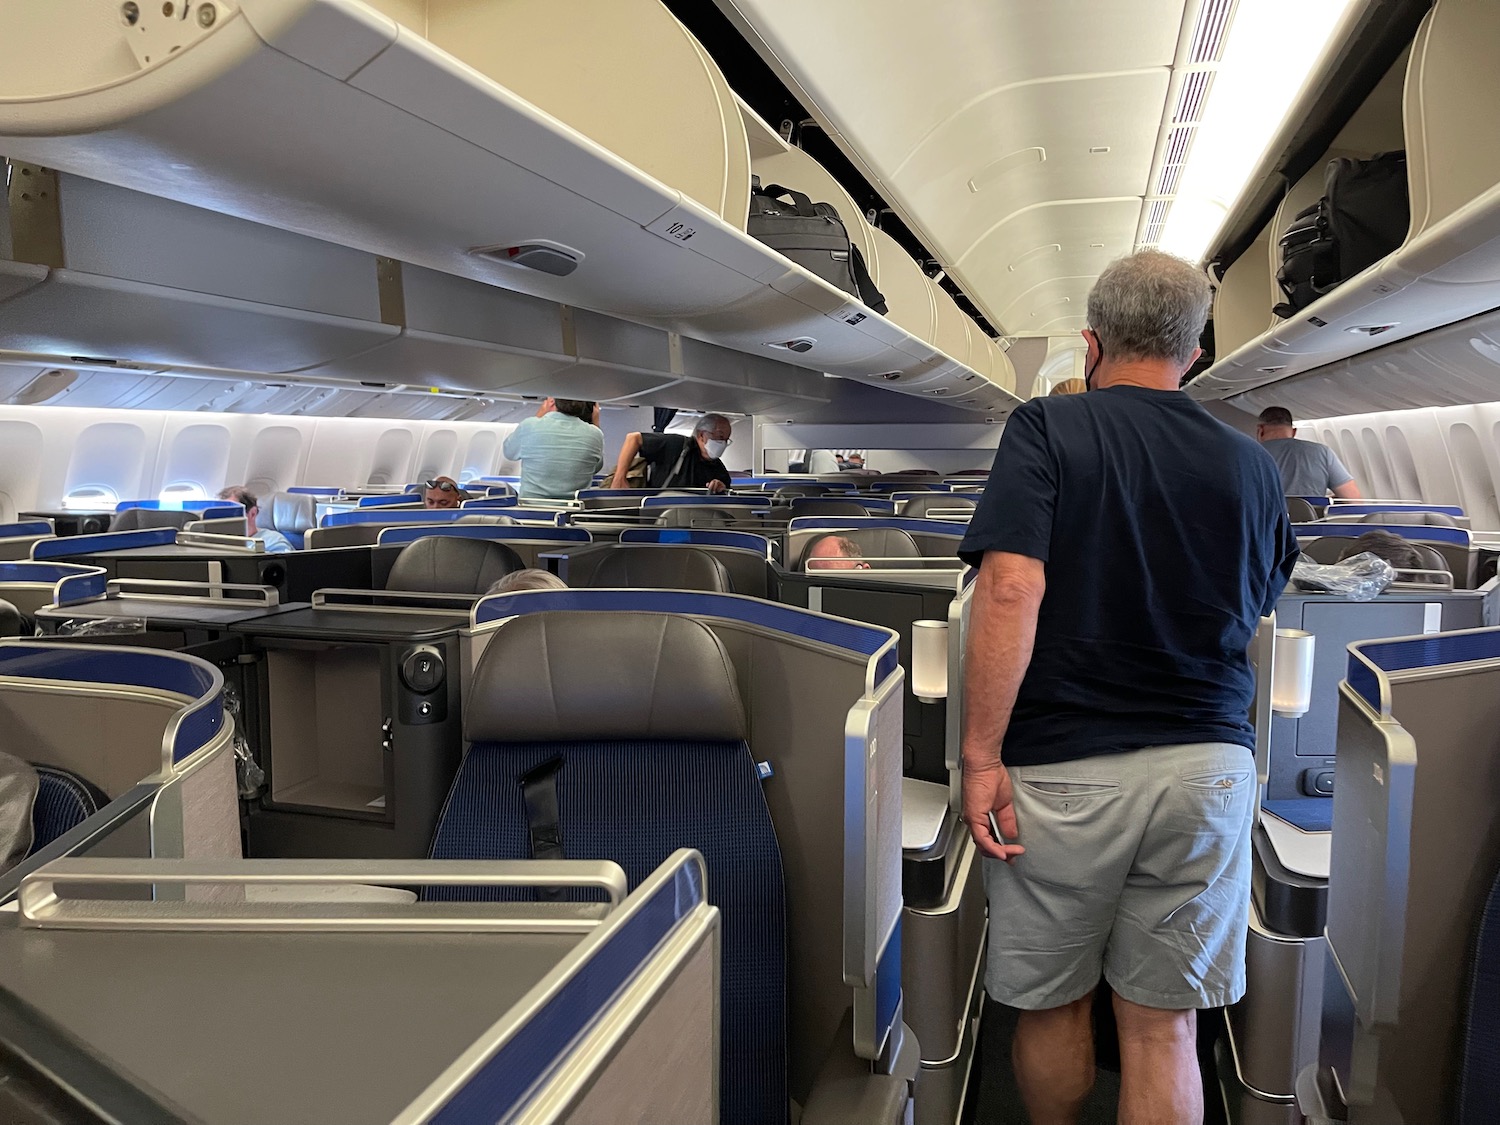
1088 376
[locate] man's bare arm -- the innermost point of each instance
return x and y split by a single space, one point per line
1002 632
628 449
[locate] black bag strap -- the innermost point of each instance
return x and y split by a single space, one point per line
543 818
687 443
868 293
805 206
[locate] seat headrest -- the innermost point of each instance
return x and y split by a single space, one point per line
290 513
873 543
1432 559
1299 510
448 564
493 521
919 506
1424 519
13 623
661 567
141 519
699 515
572 676
827 506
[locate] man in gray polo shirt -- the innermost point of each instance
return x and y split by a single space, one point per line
1307 468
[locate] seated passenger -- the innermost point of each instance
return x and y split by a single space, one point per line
560 449
845 551
276 543
442 492
519 581
675 461
1388 546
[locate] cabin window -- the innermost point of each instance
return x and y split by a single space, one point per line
174 494
438 455
1408 484
1379 482
275 457
108 460
97 497
392 458
1474 480
480 458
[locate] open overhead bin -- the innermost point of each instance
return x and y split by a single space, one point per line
1448 267
330 119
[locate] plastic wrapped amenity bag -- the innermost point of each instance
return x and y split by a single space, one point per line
1360 578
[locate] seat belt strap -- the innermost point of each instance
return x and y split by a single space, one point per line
543 819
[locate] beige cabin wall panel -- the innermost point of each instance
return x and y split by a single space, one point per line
1242 303
1015 258
1452 86
1031 144
905 288
624 73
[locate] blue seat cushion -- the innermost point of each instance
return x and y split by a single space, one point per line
63 802
636 803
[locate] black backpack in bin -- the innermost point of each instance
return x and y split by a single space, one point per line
812 235
1363 215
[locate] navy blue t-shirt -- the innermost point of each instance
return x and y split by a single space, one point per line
1166 539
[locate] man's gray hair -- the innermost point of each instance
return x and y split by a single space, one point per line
1149 306
530 579
711 422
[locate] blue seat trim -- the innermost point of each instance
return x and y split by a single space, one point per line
175 672
1416 532
502 1083
499 531
68 546
63 802
636 803
71 583
901 523
25 528
702 536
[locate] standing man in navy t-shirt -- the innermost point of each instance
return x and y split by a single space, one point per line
1129 544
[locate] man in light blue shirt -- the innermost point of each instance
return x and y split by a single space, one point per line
276 543
560 449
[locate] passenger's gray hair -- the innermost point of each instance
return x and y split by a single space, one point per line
711 422
1149 305
531 578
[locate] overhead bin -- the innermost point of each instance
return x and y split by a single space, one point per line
328 119
1448 268
904 286
793 168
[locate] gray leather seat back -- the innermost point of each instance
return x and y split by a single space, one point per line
701 515
1299 510
290 513
13 622
142 519
450 564
873 543
670 679
494 521
827 506
658 567
1418 519
918 506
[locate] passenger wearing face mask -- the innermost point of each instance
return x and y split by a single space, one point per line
675 461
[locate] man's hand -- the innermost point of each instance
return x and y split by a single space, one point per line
987 789
716 486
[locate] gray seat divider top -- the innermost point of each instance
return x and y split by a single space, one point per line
631 767
647 566
918 506
446 564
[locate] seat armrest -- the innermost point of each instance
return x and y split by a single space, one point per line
848 1091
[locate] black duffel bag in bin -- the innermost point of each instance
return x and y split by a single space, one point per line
1363 216
812 235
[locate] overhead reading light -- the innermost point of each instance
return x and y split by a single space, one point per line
1226 116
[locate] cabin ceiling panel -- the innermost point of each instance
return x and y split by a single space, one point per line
980 85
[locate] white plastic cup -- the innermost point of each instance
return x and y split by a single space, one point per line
1292 673
929 660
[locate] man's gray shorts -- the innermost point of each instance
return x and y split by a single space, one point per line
1137 869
